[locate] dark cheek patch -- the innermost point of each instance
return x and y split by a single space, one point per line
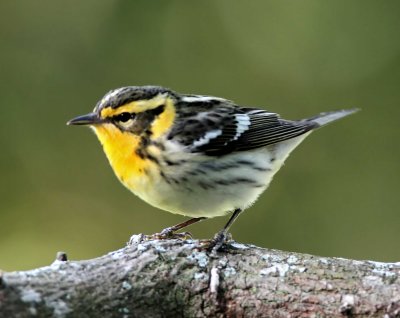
143 120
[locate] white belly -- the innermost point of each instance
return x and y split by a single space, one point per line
218 185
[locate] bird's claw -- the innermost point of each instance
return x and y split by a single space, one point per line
168 234
216 244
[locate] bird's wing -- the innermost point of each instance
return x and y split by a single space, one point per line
230 128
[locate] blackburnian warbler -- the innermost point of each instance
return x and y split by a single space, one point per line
198 156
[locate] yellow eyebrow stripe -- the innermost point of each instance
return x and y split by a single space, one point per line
110 112
134 107
164 122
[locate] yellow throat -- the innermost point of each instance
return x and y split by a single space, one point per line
120 147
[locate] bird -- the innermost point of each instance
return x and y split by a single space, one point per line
195 155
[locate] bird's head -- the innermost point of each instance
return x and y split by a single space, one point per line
131 110
125 121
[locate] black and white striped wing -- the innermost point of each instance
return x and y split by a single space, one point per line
230 129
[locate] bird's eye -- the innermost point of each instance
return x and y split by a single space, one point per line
124 117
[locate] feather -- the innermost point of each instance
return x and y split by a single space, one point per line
227 127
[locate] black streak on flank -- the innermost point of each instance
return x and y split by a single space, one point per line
245 162
152 158
175 181
197 172
219 166
236 181
257 185
243 180
174 163
253 166
205 185
167 180
222 182
262 169
171 163
200 171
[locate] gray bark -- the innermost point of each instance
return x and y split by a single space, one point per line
173 278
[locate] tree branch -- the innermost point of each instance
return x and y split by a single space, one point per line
173 278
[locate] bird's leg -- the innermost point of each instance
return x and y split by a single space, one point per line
169 232
220 237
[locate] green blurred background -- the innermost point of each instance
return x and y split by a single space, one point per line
338 194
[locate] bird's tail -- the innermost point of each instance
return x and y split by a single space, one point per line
328 117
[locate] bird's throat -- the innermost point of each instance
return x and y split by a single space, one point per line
119 147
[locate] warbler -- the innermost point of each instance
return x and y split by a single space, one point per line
194 155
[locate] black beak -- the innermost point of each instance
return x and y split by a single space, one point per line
88 119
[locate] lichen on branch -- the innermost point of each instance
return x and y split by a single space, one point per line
175 278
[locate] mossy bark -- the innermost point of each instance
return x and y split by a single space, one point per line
173 278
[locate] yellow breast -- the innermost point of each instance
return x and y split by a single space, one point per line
120 147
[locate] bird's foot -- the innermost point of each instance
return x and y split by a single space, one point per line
217 243
166 234
169 233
